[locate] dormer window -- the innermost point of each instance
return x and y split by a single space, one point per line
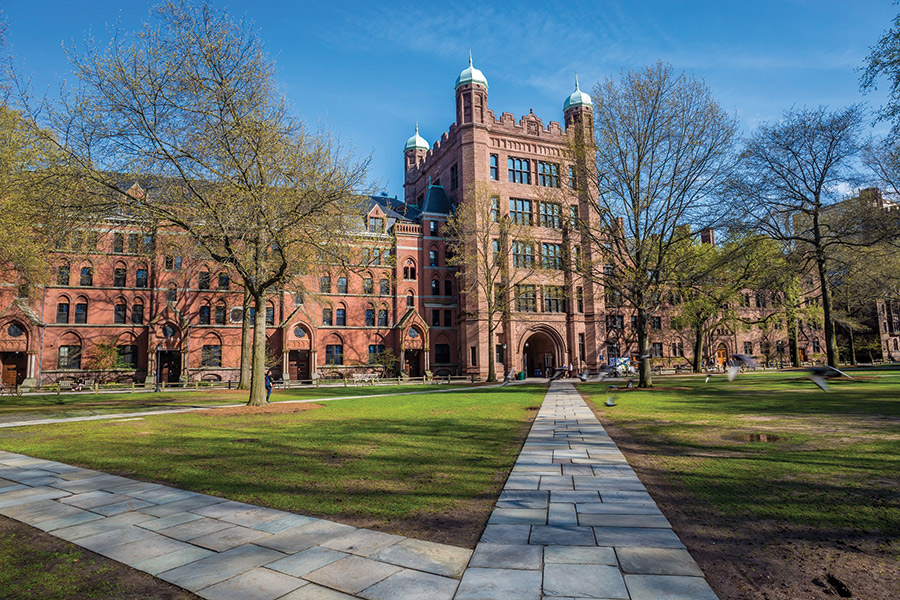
376 225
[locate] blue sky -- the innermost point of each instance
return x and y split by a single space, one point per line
370 70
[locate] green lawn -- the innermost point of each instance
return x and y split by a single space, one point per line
771 452
52 406
396 462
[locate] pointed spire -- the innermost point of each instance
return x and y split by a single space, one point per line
417 123
471 75
470 57
576 82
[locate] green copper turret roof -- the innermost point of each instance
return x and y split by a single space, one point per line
416 142
471 75
578 98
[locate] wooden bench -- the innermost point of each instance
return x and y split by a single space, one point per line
10 390
368 378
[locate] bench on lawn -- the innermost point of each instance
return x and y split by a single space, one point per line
369 378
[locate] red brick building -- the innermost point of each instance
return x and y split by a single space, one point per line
129 303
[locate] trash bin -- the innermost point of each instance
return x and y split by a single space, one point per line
520 375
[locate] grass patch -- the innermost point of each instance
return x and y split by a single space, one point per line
37 566
399 463
52 406
772 461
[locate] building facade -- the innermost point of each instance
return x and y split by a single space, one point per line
128 303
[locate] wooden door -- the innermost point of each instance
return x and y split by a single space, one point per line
10 375
721 355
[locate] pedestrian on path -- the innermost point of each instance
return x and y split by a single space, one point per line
268 386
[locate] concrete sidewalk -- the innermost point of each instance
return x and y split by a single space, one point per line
573 521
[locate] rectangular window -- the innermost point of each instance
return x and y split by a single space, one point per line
325 284
376 225
748 348
220 314
81 313
203 280
519 170
473 356
634 323
119 277
656 350
442 354
573 216
495 251
211 356
526 298
579 299
815 346
612 350
126 356
370 317
368 286
615 322
69 357
498 351
382 317
548 174
554 298
334 354
119 243
551 256
137 314
270 315
224 281
432 258
551 215
134 243
433 227
173 263
375 350
119 314
572 181
656 323
454 178
326 316
576 257
148 244
520 211
87 276
384 287
340 317
435 318
140 278
448 318
581 353
495 167
495 209
523 255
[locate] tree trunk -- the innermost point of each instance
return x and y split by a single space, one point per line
645 378
246 344
258 373
793 345
697 362
492 371
831 352
852 344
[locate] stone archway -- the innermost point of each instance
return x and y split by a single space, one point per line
541 353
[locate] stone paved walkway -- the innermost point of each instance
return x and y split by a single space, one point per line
573 521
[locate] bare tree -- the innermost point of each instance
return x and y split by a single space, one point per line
189 106
662 150
494 255
793 173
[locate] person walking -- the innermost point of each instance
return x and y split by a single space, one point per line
268 386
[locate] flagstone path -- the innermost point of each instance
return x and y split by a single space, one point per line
573 521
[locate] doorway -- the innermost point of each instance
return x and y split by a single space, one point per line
721 355
15 365
413 363
539 355
298 364
170 366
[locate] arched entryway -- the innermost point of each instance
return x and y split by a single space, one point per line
540 354
721 356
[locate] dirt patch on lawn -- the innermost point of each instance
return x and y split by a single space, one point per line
275 408
41 566
765 560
